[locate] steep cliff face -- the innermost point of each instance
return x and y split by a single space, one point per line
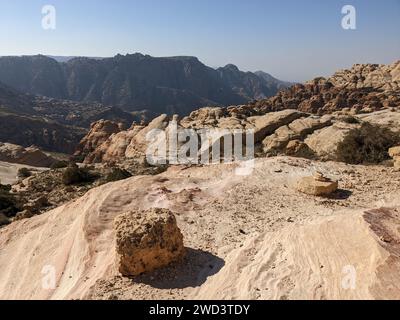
34 74
137 82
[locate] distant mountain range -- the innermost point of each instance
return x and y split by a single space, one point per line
67 58
137 82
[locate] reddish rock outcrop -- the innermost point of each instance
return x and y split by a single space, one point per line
99 132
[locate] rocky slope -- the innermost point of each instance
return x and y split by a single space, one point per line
28 130
363 88
136 82
271 242
384 77
54 125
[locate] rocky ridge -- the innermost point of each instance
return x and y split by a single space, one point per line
289 132
30 156
362 89
136 82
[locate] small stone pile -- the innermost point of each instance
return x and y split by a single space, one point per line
317 185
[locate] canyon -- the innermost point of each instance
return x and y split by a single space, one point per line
316 218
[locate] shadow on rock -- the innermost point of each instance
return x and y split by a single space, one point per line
340 194
192 271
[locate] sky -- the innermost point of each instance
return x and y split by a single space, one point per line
294 40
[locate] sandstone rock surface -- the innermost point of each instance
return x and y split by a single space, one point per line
299 129
297 148
324 142
99 132
389 118
30 156
126 144
385 77
394 152
295 254
363 88
267 124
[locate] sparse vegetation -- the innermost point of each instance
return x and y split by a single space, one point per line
117 174
75 175
79 158
24 173
350 119
8 203
59 165
369 144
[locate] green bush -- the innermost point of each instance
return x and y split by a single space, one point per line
79 158
118 174
76 175
24 173
367 145
59 165
8 203
349 119
5 187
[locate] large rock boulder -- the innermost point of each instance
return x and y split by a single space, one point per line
297 148
147 240
138 145
296 130
30 156
267 124
126 144
324 143
114 148
389 118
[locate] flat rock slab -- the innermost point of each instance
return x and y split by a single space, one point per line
314 187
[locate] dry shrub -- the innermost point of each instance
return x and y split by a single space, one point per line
368 144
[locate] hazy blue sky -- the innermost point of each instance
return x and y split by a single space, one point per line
291 39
